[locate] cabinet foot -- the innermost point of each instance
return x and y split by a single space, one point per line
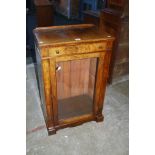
51 131
99 118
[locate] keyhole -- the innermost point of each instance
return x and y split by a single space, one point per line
57 51
58 68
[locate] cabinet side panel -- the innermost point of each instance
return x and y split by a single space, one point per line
47 89
102 75
40 82
43 70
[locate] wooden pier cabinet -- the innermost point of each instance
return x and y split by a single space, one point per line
72 70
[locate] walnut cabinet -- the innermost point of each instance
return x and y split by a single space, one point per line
72 71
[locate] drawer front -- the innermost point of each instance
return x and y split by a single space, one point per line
77 49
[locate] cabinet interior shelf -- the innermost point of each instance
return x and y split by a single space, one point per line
75 106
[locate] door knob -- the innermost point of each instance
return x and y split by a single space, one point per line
58 68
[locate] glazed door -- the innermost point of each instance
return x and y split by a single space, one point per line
75 87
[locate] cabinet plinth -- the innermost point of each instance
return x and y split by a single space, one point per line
72 70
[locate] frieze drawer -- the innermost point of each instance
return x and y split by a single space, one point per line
72 49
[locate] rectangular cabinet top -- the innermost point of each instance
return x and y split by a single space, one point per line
69 34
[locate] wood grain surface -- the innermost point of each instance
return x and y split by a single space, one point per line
74 73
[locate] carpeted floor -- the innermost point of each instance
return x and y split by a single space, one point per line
106 138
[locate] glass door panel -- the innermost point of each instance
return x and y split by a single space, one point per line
75 87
